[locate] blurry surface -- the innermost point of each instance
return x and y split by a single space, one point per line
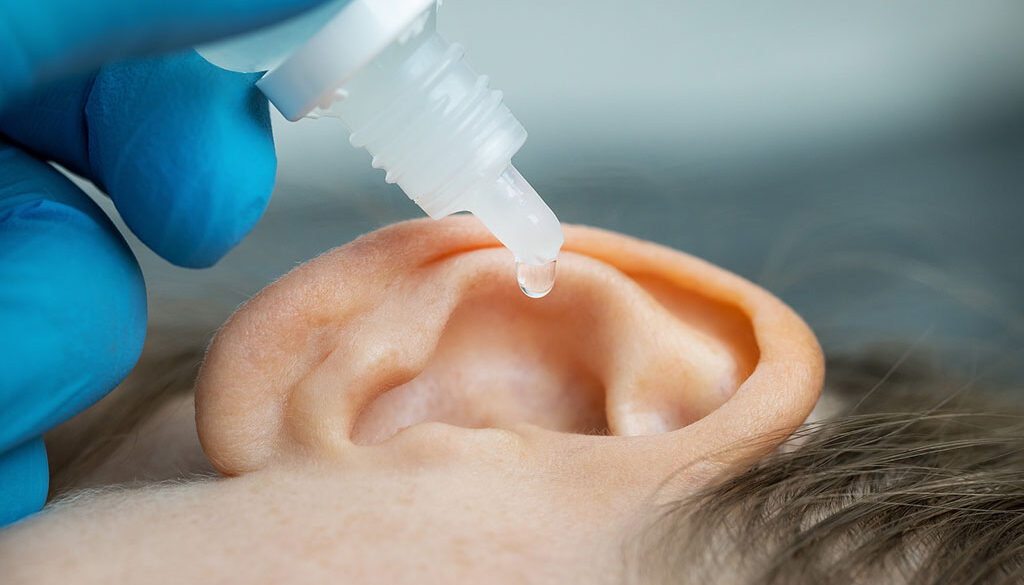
864 161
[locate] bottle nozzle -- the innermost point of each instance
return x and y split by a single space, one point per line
519 218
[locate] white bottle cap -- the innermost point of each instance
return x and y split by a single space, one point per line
338 51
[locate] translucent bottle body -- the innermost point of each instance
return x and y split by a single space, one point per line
429 121
447 140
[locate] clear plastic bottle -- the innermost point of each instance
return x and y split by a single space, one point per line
407 96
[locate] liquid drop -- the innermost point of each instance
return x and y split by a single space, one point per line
535 280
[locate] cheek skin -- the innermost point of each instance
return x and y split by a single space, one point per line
445 524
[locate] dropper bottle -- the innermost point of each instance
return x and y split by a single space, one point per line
407 96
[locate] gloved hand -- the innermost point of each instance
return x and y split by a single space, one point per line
185 152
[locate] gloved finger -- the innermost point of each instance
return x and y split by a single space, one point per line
24 480
72 306
44 39
182 147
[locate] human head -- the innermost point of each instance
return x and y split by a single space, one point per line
396 411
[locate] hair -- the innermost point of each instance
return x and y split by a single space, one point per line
886 492
167 369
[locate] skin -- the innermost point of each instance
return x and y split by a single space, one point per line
396 411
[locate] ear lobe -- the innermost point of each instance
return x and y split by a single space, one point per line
422 322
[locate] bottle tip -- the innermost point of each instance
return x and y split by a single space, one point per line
514 212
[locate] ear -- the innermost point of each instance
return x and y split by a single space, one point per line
649 358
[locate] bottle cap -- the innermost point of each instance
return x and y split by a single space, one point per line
350 40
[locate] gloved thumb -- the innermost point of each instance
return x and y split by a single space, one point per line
46 39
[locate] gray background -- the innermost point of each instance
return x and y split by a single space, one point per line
862 160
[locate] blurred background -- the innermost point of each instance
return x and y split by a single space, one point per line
862 160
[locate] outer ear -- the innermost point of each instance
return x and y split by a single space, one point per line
422 322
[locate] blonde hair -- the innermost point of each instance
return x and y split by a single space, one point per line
167 369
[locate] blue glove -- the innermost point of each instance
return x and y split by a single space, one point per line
185 152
